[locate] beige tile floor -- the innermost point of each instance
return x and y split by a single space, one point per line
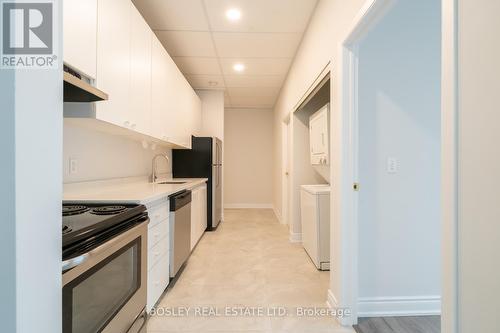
247 262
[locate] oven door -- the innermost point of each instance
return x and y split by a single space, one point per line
105 291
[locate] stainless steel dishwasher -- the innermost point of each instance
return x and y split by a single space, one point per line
180 230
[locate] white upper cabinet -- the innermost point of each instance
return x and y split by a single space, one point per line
160 86
80 31
109 40
140 73
113 60
175 104
318 131
165 94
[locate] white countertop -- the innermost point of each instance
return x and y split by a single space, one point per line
127 190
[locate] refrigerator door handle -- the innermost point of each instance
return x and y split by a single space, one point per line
218 175
219 159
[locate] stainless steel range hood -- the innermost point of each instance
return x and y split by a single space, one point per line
77 90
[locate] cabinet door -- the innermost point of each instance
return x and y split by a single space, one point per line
203 210
195 216
159 87
140 73
113 60
165 95
80 31
194 115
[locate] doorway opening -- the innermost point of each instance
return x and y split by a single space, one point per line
389 207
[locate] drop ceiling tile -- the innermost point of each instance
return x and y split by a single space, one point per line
252 102
173 14
247 81
187 43
198 65
253 96
256 45
253 91
257 66
206 81
261 15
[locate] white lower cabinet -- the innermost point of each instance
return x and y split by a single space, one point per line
198 213
158 251
157 281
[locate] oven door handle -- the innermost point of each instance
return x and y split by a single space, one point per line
139 323
73 262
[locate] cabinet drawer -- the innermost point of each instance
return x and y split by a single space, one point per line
157 251
157 232
158 214
158 279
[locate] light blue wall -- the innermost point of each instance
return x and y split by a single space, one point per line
30 195
399 116
7 202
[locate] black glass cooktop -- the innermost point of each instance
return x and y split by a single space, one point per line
82 221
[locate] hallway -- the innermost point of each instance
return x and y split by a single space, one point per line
247 262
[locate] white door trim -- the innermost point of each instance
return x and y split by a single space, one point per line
285 170
449 174
344 171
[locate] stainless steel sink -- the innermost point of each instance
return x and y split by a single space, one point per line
172 182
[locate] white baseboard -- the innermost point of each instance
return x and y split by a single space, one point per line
278 215
399 306
332 303
248 206
331 300
295 237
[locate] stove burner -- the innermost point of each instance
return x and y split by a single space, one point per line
66 229
108 210
73 210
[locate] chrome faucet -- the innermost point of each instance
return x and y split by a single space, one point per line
154 176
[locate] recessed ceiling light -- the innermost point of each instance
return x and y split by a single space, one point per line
239 67
233 14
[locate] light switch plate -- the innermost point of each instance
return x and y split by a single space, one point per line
392 165
73 166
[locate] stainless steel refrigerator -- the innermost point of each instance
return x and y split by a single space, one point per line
203 160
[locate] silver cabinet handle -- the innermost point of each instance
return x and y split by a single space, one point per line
73 262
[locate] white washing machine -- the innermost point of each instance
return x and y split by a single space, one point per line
315 216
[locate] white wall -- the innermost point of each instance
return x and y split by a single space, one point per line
478 165
30 196
104 156
248 158
399 217
8 200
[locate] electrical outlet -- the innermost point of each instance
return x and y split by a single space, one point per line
392 165
73 166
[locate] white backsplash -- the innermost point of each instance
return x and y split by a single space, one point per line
101 156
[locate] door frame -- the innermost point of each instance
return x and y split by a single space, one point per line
344 122
285 170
